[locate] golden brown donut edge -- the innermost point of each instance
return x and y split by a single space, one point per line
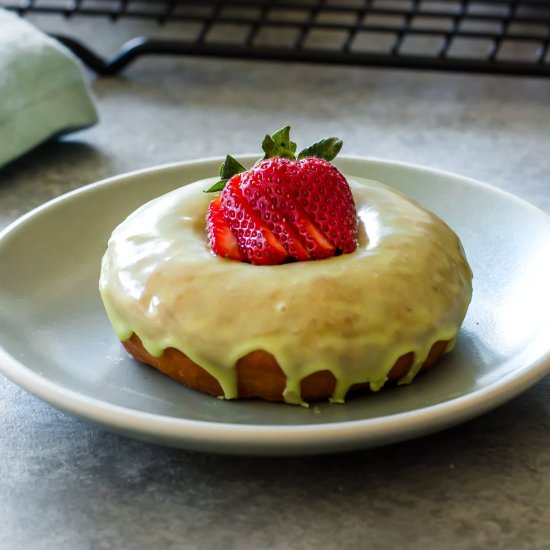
259 374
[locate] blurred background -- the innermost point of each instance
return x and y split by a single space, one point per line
460 85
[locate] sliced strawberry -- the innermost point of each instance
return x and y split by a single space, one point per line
289 205
269 191
258 242
316 243
222 241
275 219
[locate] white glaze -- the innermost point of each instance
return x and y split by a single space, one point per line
406 286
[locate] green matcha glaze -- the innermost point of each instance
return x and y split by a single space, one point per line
407 286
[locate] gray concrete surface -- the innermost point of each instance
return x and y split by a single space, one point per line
67 485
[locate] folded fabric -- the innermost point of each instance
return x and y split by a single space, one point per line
42 92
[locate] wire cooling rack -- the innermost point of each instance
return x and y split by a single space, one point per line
492 36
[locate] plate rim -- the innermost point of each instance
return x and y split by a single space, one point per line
260 438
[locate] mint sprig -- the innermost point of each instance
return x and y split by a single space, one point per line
228 168
279 144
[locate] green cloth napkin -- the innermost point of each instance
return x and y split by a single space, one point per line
42 92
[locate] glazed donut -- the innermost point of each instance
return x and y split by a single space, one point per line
296 332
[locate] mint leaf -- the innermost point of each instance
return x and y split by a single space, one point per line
279 144
229 167
325 149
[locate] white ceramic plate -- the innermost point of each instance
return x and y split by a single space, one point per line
56 342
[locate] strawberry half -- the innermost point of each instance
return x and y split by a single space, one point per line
284 208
